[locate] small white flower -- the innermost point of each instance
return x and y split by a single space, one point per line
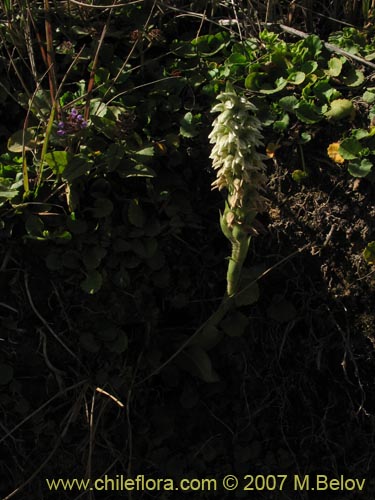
235 136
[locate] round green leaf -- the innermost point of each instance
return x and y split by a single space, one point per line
93 256
234 325
280 84
334 67
354 78
307 113
208 337
340 108
187 127
360 169
309 67
57 161
350 148
360 133
288 103
76 167
92 283
296 78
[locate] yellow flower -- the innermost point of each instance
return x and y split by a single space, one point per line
271 149
333 152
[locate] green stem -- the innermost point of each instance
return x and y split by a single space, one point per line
240 241
240 247
25 175
45 147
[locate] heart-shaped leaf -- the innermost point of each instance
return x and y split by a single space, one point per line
93 282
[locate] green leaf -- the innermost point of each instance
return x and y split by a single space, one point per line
369 96
288 103
354 78
350 148
200 364
299 176
135 214
21 140
34 225
309 67
234 325
307 112
296 78
207 338
187 126
6 373
237 59
369 253
281 125
209 45
105 126
121 278
305 137
334 67
93 256
314 46
114 154
57 161
254 80
61 236
248 289
92 283
360 133
148 152
6 193
280 84
360 169
340 108
77 166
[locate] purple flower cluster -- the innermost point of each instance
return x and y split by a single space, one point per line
74 123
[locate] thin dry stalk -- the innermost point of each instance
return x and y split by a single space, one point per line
50 53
